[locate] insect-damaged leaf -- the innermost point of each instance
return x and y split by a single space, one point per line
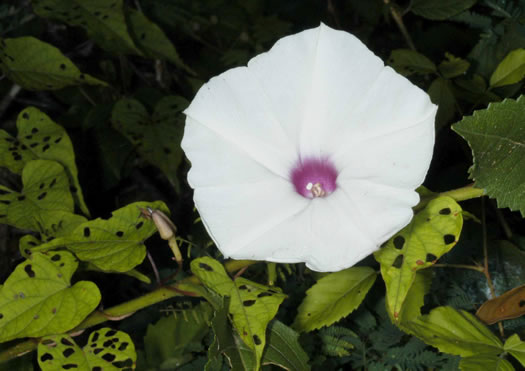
432 233
36 65
157 137
46 192
106 349
506 306
102 19
40 138
252 305
37 299
115 244
333 297
496 136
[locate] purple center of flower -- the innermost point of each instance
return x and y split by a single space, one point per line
314 177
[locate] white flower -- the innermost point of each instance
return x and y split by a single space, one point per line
309 154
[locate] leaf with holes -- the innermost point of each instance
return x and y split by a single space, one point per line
486 363
157 137
40 138
115 244
36 65
37 299
496 136
440 9
511 70
252 305
516 347
430 234
333 297
106 349
510 304
102 19
456 332
152 40
46 194
283 348
408 62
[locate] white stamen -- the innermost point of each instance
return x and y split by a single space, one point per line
309 186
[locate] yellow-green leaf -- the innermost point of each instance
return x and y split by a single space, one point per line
485 362
510 70
516 347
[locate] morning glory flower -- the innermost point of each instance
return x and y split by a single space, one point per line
309 154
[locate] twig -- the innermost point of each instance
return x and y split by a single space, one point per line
398 18
461 266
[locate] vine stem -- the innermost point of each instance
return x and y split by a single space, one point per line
398 18
129 307
467 192
460 266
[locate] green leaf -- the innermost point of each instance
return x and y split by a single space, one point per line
169 342
156 137
252 305
45 195
408 62
36 65
485 362
430 234
102 19
283 348
107 350
496 136
453 66
152 40
115 244
333 297
40 138
440 92
511 69
37 299
516 347
440 9
337 341
455 332
415 298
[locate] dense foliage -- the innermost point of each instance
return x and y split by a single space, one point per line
91 121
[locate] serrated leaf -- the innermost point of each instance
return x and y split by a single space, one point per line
333 297
485 362
440 92
115 244
37 299
251 305
510 70
157 137
506 306
496 136
171 339
455 332
107 349
45 192
430 234
152 40
408 62
440 9
36 65
453 66
40 138
337 341
516 347
102 19
283 348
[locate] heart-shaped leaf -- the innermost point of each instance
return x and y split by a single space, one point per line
40 138
46 191
36 65
333 297
252 305
115 244
107 349
157 137
432 233
102 19
37 299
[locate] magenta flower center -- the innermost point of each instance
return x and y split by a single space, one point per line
314 177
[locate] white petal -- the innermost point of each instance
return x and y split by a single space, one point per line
235 215
234 106
216 161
